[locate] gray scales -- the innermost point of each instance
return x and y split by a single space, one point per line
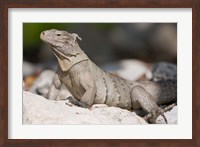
90 85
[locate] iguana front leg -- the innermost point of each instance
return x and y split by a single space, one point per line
54 88
140 97
57 90
88 83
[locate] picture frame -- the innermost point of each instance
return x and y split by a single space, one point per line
4 85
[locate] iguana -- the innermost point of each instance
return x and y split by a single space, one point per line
90 85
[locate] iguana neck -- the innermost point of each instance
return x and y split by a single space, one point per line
66 62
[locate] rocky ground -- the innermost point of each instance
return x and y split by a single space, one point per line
38 110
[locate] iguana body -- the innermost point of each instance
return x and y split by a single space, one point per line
91 85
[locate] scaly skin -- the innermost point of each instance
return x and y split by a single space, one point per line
90 85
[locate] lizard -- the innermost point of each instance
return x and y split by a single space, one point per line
90 85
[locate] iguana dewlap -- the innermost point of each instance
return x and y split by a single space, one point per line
91 85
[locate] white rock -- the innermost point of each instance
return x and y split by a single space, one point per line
28 68
129 69
171 117
41 85
38 110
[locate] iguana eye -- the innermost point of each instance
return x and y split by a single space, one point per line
58 34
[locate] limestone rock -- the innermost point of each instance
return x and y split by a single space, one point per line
28 68
41 85
38 110
129 69
171 117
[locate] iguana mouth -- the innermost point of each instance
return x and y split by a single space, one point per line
45 39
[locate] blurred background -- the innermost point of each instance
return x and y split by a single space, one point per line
112 46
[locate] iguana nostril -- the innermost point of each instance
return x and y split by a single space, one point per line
43 33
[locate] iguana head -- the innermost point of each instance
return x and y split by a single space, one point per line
62 42
64 46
